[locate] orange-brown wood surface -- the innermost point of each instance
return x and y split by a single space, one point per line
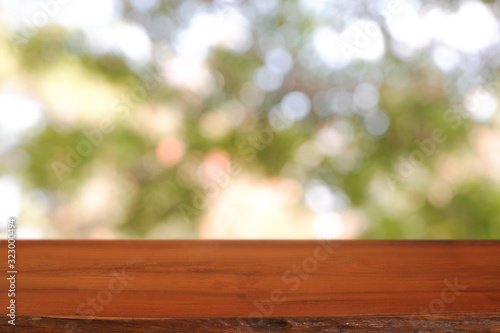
261 286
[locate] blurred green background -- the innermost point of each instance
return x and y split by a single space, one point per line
250 119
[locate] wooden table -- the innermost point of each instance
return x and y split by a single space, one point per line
255 286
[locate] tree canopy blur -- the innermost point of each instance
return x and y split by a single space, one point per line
186 119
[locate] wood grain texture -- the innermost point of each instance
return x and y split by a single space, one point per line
255 286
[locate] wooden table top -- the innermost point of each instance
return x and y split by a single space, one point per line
254 286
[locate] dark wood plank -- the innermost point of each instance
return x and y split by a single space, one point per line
389 324
256 286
